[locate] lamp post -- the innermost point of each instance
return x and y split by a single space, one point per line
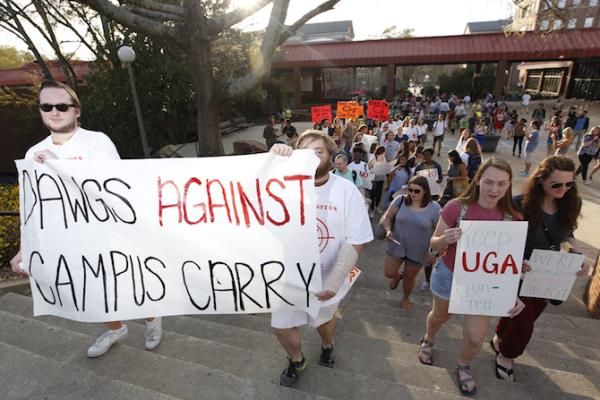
127 57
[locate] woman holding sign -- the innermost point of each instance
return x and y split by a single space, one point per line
551 205
488 198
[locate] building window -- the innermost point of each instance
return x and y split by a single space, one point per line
562 3
557 24
589 22
544 25
572 23
593 3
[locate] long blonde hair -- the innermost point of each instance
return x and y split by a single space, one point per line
471 195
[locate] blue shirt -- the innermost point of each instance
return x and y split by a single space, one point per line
591 149
532 141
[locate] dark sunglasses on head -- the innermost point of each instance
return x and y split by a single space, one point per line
558 185
62 107
415 191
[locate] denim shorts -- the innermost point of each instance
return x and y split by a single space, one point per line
441 280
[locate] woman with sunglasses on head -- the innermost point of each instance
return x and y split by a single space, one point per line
409 223
551 205
488 198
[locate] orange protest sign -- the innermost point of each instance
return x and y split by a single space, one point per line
319 113
378 109
348 109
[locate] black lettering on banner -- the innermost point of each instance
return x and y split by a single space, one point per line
99 270
62 261
268 283
35 197
77 205
212 266
115 273
139 263
187 289
306 282
99 200
37 253
162 283
133 217
241 287
43 199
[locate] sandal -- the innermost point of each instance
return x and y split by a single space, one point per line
395 282
508 371
462 382
426 349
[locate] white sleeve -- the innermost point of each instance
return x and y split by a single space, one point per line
106 149
358 225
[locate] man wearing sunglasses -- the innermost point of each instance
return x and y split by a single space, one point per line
60 110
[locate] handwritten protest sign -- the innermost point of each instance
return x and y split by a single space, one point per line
348 109
487 267
552 274
319 113
432 179
117 240
378 109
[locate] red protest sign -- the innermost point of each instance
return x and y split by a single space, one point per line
319 113
348 109
378 109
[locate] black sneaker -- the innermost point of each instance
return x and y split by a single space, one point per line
326 359
289 376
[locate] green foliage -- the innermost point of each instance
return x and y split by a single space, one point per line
10 57
460 80
392 32
9 226
165 91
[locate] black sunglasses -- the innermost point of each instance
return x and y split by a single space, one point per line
62 107
558 185
415 191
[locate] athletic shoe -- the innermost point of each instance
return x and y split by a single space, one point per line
424 286
104 342
523 173
153 333
326 359
289 376
586 182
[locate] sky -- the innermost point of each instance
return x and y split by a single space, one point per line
369 17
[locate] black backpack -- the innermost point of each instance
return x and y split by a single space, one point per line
473 165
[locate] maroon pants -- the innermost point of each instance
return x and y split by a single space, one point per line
515 333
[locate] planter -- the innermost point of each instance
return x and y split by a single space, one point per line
490 142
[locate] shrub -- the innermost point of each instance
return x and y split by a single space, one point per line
9 225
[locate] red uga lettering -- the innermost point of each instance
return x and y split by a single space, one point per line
490 263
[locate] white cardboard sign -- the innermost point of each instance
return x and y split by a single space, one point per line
129 239
552 274
487 267
432 177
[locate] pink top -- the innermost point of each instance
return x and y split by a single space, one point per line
475 212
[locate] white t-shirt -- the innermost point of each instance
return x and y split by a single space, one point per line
360 167
412 133
341 218
83 145
439 128
421 130
525 99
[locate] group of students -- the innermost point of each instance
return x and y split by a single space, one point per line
417 228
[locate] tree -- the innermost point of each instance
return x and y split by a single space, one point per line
192 26
391 32
11 57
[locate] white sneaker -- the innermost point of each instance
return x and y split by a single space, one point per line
153 333
586 182
424 286
104 342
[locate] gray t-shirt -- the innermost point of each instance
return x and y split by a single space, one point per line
413 229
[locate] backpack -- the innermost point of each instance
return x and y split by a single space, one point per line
473 165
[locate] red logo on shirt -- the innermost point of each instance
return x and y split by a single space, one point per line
323 235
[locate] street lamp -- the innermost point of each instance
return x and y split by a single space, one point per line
127 57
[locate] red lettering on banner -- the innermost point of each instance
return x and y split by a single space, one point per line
212 205
260 215
186 188
300 179
508 262
279 200
162 206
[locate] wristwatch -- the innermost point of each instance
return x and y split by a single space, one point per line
433 253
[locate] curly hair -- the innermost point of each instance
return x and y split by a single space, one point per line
569 206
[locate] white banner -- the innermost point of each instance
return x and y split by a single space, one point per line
432 177
487 267
128 239
552 274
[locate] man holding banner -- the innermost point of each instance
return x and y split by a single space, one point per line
488 264
60 110
341 239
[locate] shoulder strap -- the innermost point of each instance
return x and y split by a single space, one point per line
354 176
463 213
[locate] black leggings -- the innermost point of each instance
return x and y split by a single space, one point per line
376 192
519 140
585 160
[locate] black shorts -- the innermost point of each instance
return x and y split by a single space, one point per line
438 138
